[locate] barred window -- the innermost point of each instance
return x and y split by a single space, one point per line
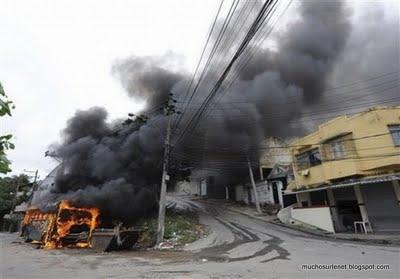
315 157
337 148
302 161
308 159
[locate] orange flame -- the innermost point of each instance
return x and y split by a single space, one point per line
57 226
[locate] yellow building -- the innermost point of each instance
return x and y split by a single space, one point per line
352 165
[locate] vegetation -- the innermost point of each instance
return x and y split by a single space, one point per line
8 186
6 106
180 228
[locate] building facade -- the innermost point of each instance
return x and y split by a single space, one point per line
275 172
351 165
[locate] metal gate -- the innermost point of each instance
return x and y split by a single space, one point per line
383 210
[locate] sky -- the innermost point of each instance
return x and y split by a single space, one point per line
56 57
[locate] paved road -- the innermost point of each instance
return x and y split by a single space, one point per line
237 247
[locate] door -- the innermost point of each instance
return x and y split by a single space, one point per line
382 208
275 192
203 188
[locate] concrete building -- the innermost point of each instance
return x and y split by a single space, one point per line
275 173
350 166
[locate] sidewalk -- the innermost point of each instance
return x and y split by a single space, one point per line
383 239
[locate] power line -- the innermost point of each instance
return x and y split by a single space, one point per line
240 164
211 55
228 43
272 9
257 43
331 95
250 34
308 145
276 115
303 117
199 62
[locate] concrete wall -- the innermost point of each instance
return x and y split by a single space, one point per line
275 154
319 217
239 193
303 197
285 214
265 193
362 125
187 188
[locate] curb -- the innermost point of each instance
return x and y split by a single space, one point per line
322 235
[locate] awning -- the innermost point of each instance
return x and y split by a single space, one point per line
372 180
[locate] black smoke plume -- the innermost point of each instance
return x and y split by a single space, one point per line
118 167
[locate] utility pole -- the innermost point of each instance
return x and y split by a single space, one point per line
14 204
169 110
34 186
253 183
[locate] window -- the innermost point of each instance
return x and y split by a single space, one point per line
315 157
265 172
308 159
395 132
337 149
302 161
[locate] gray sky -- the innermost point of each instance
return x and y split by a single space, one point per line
56 57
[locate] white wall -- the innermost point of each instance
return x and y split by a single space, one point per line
319 217
187 188
265 193
239 193
285 214
275 153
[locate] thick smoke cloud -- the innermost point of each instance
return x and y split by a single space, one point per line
148 78
308 51
118 168
372 50
274 89
115 168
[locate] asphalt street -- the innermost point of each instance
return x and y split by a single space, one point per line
236 247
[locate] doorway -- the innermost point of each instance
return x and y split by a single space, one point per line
275 192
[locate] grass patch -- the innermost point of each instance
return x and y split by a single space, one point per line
180 228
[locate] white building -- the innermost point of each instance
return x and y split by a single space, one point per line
274 175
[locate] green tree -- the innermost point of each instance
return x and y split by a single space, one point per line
8 187
6 106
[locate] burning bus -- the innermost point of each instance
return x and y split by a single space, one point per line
67 223
75 227
69 226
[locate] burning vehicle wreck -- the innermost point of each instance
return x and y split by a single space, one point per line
74 227
68 226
